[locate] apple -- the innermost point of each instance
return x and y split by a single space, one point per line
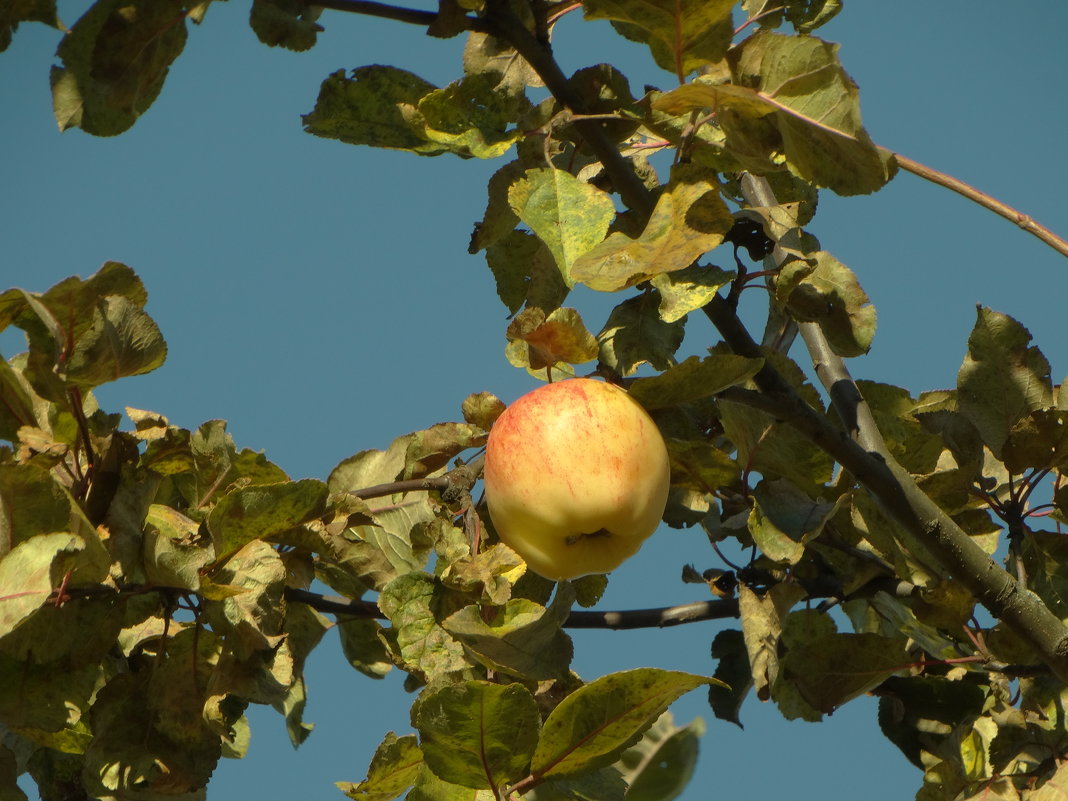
576 477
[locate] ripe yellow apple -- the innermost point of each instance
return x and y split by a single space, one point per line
576 477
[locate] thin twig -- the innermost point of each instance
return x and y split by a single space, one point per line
1024 221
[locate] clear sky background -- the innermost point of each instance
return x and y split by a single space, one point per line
319 297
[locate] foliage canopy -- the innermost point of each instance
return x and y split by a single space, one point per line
156 581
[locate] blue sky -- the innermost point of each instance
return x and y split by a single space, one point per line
320 297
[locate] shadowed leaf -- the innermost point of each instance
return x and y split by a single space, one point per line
478 734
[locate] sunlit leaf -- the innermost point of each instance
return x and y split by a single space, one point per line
688 289
522 638
568 215
690 218
693 379
806 104
538 342
682 36
393 769
259 512
413 604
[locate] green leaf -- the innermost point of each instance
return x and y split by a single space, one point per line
469 118
104 333
690 218
688 289
373 107
392 108
570 216
259 512
694 379
784 519
499 220
16 401
414 603
733 670
683 36
252 609
433 448
30 571
700 466
804 15
31 503
123 341
285 23
634 334
522 638
150 736
539 342
115 60
762 617
393 769
917 712
478 734
362 646
526 273
490 573
488 54
1038 441
482 409
790 94
174 550
659 766
18 11
1003 378
829 669
595 724
830 295
773 449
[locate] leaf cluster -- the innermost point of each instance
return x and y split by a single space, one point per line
155 581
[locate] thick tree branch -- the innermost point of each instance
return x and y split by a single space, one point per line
413 16
986 201
506 26
880 475
578 619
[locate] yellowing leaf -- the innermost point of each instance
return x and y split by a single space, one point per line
799 86
683 35
570 216
690 219
538 342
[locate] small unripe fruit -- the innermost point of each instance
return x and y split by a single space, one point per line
576 477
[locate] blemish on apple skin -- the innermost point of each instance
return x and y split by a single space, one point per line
572 539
